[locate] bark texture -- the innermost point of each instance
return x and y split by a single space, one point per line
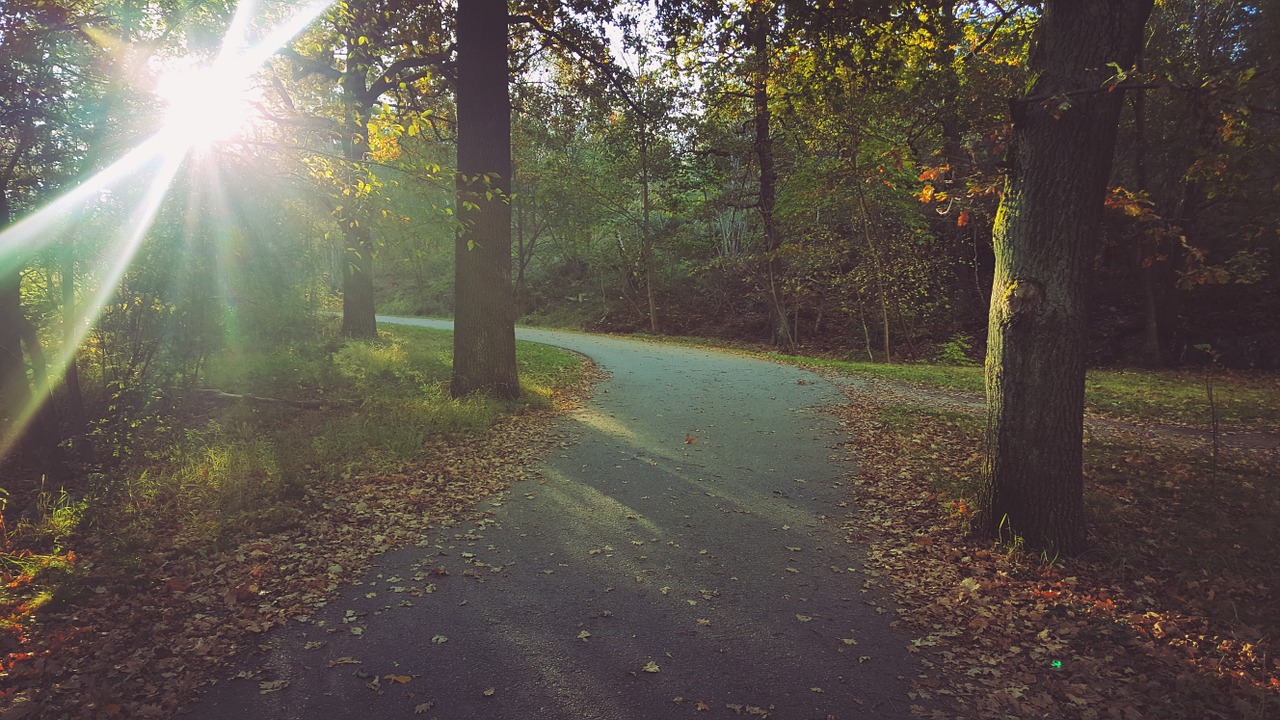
1045 242
358 307
484 342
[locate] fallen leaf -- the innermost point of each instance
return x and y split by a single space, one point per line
651 667
343 661
270 686
439 640
394 679
423 708
803 618
489 692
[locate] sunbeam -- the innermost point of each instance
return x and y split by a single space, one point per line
205 105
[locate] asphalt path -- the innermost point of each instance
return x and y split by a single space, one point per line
682 556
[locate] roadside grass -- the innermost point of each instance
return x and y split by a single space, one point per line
223 470
1246 399
1181 577
1165 396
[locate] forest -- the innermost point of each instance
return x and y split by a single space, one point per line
205 205
823 179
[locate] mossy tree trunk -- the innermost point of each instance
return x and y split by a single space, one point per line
1045 236
484 343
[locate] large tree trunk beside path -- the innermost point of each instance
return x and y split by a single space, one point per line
484 340
1045 241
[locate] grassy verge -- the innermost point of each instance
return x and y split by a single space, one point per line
1246 399
331 409
319 427
1166 396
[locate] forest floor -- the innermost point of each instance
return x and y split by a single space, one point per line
1173 613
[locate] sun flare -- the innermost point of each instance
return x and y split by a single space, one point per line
207 105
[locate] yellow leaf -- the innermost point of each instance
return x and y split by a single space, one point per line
270 686
393 679
652 667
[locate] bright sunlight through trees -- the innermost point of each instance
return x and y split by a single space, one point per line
206 105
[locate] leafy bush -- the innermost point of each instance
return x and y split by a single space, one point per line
957 351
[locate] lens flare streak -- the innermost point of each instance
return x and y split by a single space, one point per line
235 63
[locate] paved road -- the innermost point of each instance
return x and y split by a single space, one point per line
719 563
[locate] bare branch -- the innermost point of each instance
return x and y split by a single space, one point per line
611 72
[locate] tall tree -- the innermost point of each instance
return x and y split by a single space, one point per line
370 51
484 344
1060 156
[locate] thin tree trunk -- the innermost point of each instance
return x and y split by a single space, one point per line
759 21
1151 346
866 331
521 260
646 230
484 344
879 271
1045 242
77 422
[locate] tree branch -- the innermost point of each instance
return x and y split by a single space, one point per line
991 35
421 64
310 66
611 73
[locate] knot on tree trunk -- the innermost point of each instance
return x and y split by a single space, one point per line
1021 301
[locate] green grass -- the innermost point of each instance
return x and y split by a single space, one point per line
1180 396
953 377
224 468
218 472
1164 396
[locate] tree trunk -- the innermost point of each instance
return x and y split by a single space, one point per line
759 22
484 345
1045 241
1151 346
879 271
76 419
646 230
358 306
15 391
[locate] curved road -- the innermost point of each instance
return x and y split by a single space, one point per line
690 525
